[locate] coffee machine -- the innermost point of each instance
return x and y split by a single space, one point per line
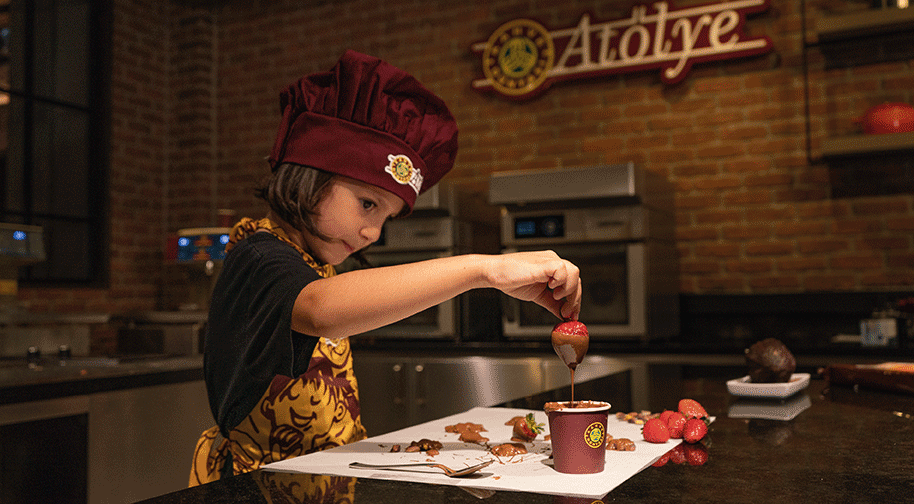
192 262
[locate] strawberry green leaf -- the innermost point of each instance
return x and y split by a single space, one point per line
531 422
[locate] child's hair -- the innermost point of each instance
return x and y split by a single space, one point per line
293 193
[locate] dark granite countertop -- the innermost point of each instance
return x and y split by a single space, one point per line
49 380
848 446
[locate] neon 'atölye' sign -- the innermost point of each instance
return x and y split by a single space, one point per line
522 58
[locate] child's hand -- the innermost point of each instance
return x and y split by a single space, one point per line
542 277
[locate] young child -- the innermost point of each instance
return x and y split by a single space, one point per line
355 147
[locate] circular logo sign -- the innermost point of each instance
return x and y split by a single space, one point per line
518 57
594 435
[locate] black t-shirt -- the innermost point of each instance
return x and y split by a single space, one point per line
249 337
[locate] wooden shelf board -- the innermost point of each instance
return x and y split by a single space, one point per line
867 144
864 22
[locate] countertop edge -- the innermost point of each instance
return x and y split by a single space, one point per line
130 379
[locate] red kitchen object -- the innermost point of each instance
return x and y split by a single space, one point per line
888 118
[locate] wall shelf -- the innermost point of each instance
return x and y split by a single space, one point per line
867 144
888 34
864 23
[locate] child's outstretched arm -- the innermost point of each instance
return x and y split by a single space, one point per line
362 300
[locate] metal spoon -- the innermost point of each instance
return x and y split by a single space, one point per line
453 473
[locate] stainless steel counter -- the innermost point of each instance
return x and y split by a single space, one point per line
399 390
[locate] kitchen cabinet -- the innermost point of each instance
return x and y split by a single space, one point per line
43 451
99 432
398 391
141 440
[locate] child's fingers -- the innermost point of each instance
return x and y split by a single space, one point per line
565 287
547 302
565 280
544 278
572 307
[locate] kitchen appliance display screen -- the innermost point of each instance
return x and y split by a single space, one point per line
203 247
547 226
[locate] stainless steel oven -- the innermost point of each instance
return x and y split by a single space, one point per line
447 220
413 240
616 224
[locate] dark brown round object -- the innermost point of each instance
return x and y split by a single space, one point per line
770 361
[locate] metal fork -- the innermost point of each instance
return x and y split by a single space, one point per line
453 473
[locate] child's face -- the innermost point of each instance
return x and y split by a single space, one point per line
351 216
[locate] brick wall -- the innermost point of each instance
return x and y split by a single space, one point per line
139 143
195 107
754 213
192 156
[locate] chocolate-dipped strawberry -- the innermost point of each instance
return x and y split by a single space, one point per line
526 428
570 341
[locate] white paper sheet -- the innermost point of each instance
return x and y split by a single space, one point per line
532 472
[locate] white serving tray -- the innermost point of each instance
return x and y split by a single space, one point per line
744 388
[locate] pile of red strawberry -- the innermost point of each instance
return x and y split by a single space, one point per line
689 423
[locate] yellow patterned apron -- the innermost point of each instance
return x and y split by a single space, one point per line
315 411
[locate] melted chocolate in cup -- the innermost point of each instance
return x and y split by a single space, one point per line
578 435
570 341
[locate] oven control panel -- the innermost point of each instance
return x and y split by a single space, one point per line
543 226
574 225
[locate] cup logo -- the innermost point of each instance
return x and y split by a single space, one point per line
594 435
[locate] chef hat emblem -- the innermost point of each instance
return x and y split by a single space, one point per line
403 171
370 121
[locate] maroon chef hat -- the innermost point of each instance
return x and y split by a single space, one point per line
370 121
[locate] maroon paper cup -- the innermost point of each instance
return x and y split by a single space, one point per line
578 436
